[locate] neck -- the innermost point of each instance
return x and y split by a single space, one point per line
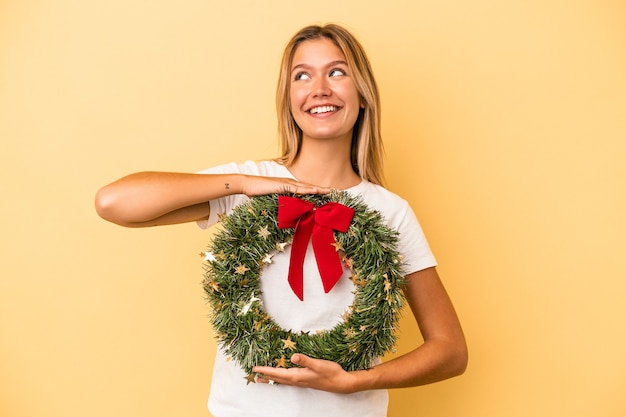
325 164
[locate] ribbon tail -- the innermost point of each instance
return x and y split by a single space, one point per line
299 245
326 256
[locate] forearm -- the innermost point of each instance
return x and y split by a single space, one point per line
163 197
432 362
155 198
444 351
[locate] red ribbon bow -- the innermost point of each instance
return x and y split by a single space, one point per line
317 224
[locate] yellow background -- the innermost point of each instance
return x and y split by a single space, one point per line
505 127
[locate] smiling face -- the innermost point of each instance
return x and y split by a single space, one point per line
324 100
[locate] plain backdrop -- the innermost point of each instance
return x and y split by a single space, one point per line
505 128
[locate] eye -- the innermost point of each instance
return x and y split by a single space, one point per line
337 72
301 76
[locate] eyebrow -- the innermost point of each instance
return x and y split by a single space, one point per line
330 64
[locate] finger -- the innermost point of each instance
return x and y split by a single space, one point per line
310 189
269 372
262 370
302 360
263 380
269 375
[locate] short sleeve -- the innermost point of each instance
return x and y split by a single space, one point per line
412 244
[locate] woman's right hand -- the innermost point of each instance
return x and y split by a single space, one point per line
254 186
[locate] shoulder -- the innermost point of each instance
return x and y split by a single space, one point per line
399 216
379 198
267 168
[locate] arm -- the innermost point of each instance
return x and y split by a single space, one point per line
159 198
442 355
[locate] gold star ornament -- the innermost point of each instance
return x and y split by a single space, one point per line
250 378
281 362
267 259
241 269
263 232
288 343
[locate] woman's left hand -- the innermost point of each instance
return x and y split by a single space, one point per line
311 373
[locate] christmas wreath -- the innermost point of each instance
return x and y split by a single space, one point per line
258 229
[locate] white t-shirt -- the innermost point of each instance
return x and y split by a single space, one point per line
231 395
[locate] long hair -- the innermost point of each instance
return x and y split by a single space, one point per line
367 147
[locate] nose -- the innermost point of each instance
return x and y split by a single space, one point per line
321 88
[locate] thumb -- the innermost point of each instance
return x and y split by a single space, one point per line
301 360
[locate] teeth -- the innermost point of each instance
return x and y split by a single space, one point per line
322 109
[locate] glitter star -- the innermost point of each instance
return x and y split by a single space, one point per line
281 362
280 247
338 247
214 286
221 255
263 232
250 378
387 283
288 343
267 259
208 256
241 269
356 280
248 306
221 217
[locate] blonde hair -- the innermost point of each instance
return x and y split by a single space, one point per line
367 146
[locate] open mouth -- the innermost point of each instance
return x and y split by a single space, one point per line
323 109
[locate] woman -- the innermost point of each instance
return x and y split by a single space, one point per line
328 109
